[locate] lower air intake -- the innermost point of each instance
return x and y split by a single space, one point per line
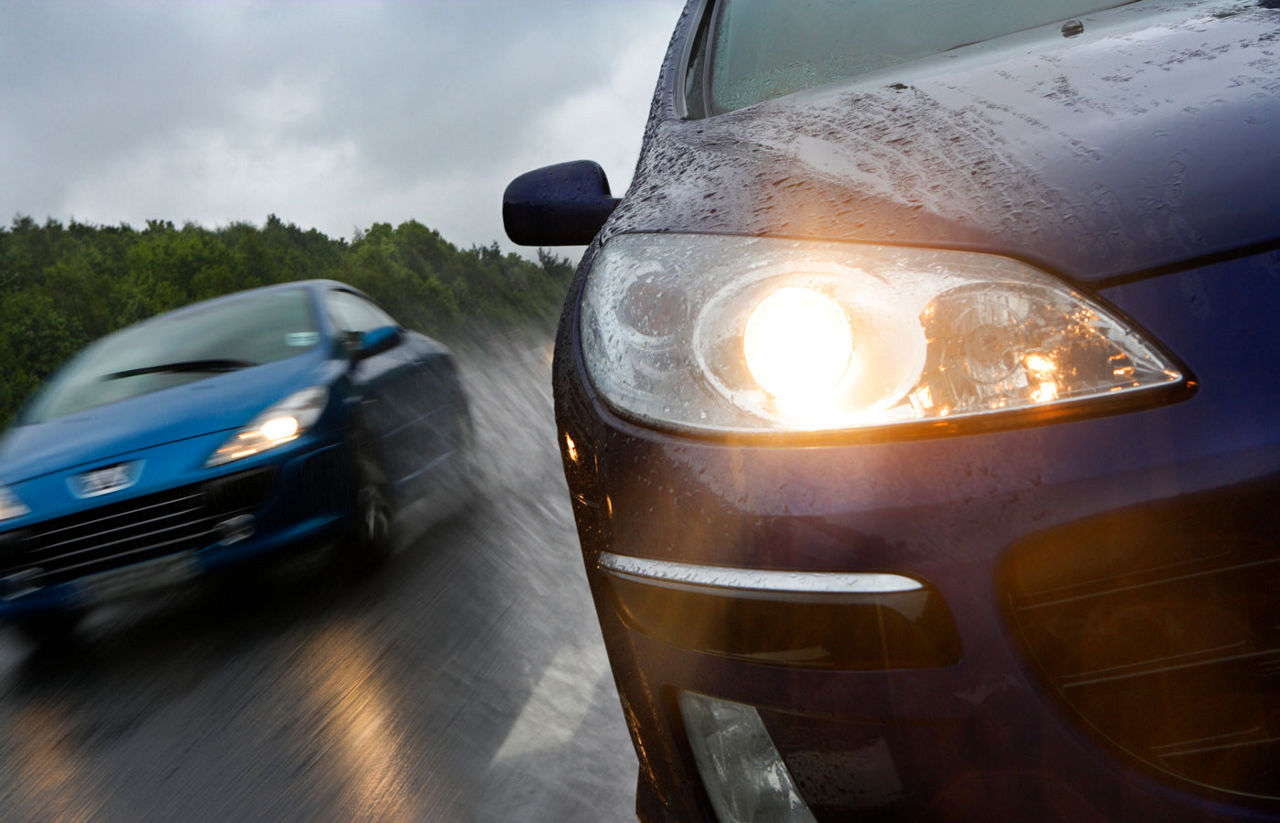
1158 627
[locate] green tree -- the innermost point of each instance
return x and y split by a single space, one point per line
62 286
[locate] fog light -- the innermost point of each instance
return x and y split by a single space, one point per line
20 584
741 769
235 529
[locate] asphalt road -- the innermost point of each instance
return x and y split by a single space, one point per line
464 681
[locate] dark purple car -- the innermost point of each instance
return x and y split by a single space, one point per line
920 407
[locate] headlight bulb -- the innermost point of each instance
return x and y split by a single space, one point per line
798 346
279 429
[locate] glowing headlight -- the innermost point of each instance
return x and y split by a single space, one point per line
754 334
798 344
10 506
282 423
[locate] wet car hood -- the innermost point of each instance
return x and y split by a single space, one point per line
222 402
1151 138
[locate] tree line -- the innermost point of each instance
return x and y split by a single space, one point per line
62 286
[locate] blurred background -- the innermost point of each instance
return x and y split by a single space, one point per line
161 153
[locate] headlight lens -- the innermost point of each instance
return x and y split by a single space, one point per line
734 334
10 506
283 423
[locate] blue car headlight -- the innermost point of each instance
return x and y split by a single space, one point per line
739 334
283 423
10 506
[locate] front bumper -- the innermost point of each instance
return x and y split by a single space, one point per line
1113 513
153 538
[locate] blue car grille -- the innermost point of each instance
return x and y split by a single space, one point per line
142 528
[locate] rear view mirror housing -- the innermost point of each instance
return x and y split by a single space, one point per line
561 205
376 341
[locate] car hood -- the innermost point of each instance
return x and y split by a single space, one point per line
223 402
1150 139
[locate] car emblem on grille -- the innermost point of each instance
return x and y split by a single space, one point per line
106 480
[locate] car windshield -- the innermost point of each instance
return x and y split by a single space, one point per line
179 348
762 48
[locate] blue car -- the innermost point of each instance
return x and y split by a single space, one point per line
290 416
920 412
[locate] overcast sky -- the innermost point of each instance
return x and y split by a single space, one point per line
331 115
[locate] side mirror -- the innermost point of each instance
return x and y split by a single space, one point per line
561 205
376 341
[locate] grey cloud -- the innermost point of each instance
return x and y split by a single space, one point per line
333 114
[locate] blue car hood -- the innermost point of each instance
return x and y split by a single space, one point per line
223 402
1150 139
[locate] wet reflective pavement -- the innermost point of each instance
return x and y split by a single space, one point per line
464 681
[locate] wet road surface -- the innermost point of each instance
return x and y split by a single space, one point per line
466 680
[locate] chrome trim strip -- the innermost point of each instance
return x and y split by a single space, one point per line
188 525
668 572
119 515
96 540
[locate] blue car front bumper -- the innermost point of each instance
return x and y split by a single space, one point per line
151 538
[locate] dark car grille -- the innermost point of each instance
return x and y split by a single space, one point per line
130 531
1159 628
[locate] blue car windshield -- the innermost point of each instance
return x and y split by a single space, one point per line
182 347
763 48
